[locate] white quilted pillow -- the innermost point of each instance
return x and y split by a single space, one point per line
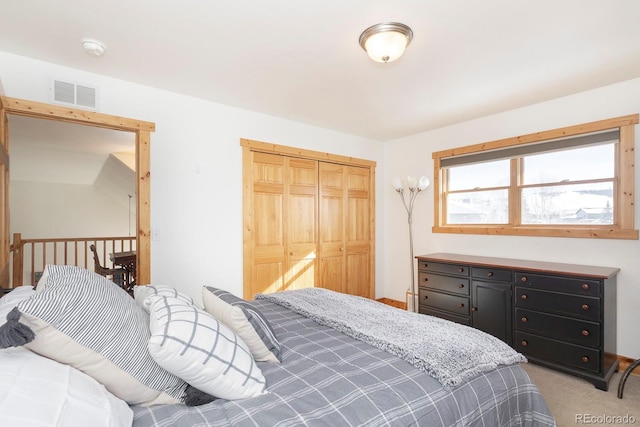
193 345
40 392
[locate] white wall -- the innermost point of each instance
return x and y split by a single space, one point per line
412 156
196 169
42 210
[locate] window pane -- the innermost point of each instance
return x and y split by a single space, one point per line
478 207
568 204
593 162
479 175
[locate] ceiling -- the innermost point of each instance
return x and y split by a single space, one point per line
300 60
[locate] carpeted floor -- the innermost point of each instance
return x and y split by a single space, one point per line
574 401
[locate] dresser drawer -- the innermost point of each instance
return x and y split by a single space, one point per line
574 305
559 284
457 285
551 350
465 320
488 273
440 267
580 332
457 305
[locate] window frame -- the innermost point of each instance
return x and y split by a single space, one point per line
624 182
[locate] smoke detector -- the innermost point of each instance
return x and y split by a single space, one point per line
93 47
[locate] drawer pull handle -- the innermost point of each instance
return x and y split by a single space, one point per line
585 307
524 319
460 286
585 359
524 297
460 305
523 279
460 270
524 343
585 286
474 309
426 297
585 333
426 279
490 274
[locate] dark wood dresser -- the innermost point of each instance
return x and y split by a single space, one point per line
562 316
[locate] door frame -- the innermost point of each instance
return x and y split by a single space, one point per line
142 132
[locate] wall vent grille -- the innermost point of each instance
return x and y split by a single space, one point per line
78 95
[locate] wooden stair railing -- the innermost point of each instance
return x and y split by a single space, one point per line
30 256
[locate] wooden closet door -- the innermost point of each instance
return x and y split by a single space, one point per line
301 195
358 232
332 221
281 213
345 229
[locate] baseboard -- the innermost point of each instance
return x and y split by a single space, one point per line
624 364
393 303
624 361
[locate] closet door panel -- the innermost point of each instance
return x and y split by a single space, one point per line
358 272
331 228
267 225
301 223
332 273
267 278
358 234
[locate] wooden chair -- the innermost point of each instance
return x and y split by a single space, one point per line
116 275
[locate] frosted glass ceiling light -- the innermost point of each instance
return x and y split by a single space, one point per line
93 47
386 42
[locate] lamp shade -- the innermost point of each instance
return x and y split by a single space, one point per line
397 184
423 183
387 41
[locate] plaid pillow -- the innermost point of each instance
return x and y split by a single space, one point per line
194 346
141 292
245 320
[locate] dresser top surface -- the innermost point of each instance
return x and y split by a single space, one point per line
519 264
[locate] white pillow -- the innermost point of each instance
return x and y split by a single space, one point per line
191 344
10 300
40 392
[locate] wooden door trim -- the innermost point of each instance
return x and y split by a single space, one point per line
142 131
284 150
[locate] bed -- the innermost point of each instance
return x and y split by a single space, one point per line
291 366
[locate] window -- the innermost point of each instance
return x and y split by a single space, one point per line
570 182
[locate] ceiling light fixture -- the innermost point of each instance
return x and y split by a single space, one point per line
386 42
93 47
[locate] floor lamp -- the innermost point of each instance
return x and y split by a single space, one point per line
415 186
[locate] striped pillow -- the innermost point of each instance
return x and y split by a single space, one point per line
245 320
84 320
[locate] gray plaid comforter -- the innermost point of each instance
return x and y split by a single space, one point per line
329 379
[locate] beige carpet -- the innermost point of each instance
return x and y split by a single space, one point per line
574 401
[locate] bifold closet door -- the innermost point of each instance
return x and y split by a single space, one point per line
345 229
281 213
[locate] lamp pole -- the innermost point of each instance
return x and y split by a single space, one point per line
414 186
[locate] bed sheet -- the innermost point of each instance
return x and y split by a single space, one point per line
329 379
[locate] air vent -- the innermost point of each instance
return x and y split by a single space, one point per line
74 94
